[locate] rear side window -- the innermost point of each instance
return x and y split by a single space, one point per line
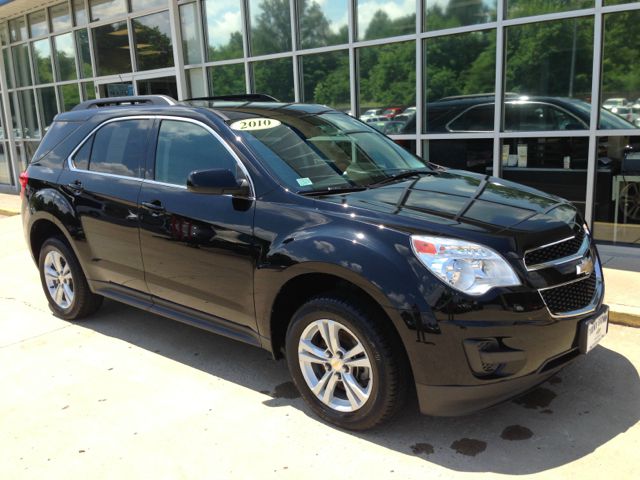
184 147
117 148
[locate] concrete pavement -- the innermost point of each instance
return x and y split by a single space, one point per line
127 394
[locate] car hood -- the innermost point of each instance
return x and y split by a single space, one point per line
462 204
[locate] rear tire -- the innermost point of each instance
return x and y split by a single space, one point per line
64 283
346 363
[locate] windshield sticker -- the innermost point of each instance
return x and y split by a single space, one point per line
249 124
304 182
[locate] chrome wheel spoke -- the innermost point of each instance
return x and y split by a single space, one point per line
68 293
327 395
357 350
317 389
50 272
358 362
57 263
309 352
329 331
352 386
59 295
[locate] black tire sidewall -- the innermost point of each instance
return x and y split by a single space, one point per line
366 416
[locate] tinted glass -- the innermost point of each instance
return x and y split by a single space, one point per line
41 51
387 76
4 34
322 23
17 29
153 41
524 8
385 18
471 71
8 67
79 12
119 147
275 78
270 26
195 80
326 151
5 175
326 79
475 155
552 59
621 77
147 4
102 9
65 56
183 148
21 65
28 114
84 55
47 105
69 96
474 119
224 29
81 158
553 165
111 47
38 23
617 194
439 14
88 91
533 116
190 34
60 17
227 79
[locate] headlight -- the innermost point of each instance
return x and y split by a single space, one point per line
469 267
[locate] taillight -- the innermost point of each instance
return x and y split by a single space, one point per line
24 178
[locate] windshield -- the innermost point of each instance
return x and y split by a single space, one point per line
323 151
608 120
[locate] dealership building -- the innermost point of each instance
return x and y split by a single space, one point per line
541 92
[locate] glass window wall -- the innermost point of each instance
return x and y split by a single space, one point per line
223 19
275 78
191 46
270 26
41 52
154 48
227 79
111 47
439 14
65 55
38 23
60 17
323 23
385 18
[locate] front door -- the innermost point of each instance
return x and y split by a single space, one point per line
197 249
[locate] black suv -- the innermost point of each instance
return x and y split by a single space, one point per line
301 230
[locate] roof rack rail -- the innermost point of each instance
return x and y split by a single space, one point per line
246 97
132 100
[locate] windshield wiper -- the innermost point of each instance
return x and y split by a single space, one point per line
401 175
332 190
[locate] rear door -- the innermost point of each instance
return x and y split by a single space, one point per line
198 249
103 179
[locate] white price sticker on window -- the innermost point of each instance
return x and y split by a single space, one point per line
249 124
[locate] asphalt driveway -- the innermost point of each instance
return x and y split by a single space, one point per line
126 394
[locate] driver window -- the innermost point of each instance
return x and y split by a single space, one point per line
184 147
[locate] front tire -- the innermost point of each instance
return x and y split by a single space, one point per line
346 363
64 283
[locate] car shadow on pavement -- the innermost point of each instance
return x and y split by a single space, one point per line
574 413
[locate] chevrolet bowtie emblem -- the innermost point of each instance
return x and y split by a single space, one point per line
585 267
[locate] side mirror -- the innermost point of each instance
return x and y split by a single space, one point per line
217 182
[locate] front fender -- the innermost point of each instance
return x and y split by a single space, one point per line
375 260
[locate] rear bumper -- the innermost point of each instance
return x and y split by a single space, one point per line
455 400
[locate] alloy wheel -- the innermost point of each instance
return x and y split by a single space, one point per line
335 365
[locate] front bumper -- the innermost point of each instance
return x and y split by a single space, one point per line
453 400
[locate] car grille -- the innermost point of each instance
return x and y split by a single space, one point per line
570 297
554 252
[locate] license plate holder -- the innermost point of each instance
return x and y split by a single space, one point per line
593 330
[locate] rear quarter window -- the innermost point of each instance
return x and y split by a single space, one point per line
56 133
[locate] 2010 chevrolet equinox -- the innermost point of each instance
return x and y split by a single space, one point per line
302 230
